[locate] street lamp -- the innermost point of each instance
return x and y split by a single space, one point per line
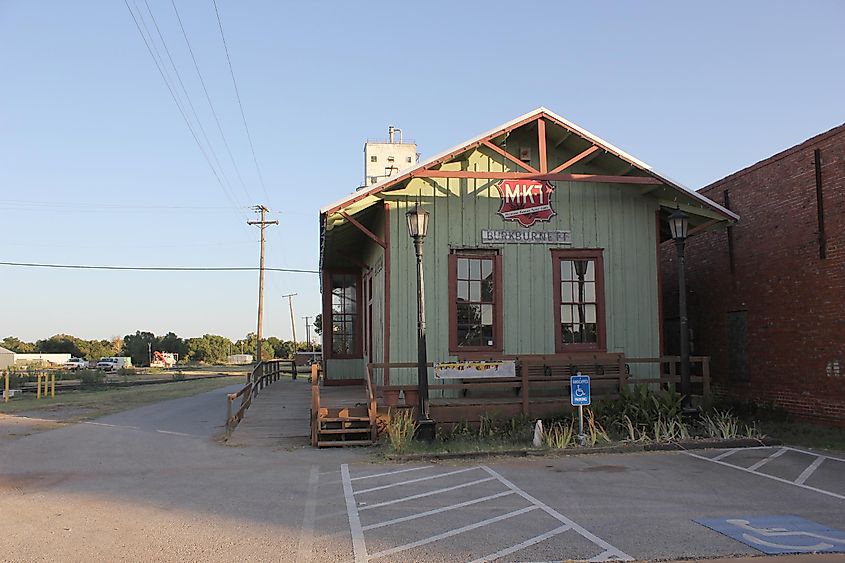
678 223
417 229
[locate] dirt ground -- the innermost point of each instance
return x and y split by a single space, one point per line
14 427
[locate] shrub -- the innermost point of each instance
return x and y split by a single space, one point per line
516 429
90 378
724 425
559 435
401 427
595 431
635 414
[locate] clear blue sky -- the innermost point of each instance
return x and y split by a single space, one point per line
98 167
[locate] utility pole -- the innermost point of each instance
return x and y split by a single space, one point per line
292 323
308 330
262 224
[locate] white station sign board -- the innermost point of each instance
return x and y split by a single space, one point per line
474 370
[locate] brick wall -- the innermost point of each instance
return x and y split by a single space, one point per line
794 300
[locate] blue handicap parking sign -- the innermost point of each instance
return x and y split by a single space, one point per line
779 534
579 390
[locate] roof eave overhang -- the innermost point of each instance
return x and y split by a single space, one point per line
538 113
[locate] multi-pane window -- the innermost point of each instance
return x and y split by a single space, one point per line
579 296
344 321
475 295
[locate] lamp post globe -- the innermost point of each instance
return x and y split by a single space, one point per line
678 224
417 218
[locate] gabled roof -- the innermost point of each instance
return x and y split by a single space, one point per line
538 113
5 351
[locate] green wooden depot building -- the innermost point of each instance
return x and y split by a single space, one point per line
542 248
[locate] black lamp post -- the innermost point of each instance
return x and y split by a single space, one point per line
417 228
678 223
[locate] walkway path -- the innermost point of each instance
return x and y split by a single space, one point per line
278 416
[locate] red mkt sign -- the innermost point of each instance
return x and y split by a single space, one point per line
526 201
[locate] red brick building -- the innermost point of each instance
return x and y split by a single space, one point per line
767 296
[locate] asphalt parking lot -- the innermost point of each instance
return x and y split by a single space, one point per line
151 484
600 507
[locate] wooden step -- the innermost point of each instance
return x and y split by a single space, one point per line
340 443
344 419
345 424
326 412
344 430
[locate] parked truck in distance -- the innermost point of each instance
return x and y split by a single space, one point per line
164 359
114 363
76 363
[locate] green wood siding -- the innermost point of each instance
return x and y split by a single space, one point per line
372 255
616 218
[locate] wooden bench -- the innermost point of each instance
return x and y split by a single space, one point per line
548 375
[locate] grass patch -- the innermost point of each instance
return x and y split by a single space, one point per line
638 416
74 406
490 435
805 435
777 423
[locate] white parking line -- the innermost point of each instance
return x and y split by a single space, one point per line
809 471
451 533
400 483
436 511
427 494
815 454
354 508
764 461
809 488
723 455
527 543
612 552
392 472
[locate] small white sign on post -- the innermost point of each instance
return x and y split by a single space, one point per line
475 370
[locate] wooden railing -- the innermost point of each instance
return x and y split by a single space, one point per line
699 365
315 403
372 407
609 373
262 375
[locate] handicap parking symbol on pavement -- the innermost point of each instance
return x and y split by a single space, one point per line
779 534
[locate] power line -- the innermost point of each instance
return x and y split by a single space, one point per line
121 245
188 97
98 206
208 99
240 104
160 67
159 268
109 206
